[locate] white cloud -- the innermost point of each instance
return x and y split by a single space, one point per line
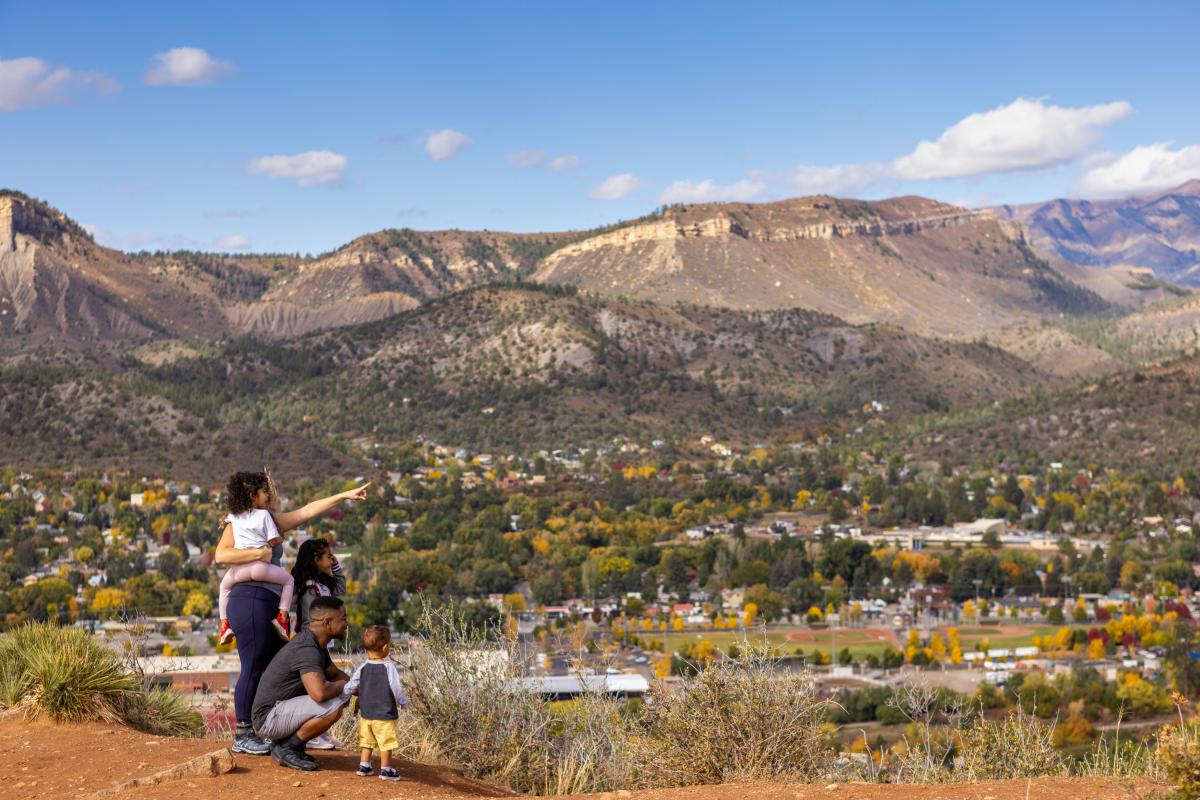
1144 169
446 144
1026 134
561 163
26 82
616 187
527 159
709 192
833 179
185 66
234 241
308 169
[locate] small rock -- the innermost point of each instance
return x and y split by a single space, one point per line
833 786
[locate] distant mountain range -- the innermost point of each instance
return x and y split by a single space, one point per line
1159 232
748 321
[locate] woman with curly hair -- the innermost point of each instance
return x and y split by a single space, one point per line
253 605
249 500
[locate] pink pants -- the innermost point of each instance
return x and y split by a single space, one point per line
256 571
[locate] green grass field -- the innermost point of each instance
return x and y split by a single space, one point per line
860 642
1006 636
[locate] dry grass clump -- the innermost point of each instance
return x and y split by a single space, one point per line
67 675
947 742
1017 746
1178 753
738 719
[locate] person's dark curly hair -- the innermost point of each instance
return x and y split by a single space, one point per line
241 489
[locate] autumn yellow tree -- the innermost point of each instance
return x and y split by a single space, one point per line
1095 649
970 611
197 604
662 667
913 645
956 655
937 648
107 603
749 614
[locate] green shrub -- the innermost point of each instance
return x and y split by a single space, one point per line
163 712
69 676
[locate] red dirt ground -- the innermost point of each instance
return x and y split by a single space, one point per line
43 760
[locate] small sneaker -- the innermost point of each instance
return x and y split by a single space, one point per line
250 744
324 742
388 774
225 635
364 771
283 625
285 756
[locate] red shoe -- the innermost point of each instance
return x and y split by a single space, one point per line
225 635
283 625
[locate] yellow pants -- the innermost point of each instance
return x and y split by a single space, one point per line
378 734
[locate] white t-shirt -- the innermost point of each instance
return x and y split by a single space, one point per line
252 529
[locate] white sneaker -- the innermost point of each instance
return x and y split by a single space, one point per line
324 742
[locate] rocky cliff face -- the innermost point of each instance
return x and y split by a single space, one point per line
924 265
1160 232
57 287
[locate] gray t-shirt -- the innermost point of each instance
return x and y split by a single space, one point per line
281 679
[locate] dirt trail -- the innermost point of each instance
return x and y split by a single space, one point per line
43 760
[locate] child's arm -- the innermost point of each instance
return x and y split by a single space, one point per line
351 686
286 520
228 554
397 688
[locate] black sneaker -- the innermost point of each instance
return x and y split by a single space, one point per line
250 744
287 757
388 774
364 771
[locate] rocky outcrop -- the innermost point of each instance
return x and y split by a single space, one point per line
668 230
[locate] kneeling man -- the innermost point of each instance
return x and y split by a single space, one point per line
299 695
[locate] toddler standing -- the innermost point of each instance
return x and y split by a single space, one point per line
379 694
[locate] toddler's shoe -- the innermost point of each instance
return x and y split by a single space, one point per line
225 635
389 774
283 625
364 771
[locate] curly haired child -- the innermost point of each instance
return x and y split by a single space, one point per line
250 495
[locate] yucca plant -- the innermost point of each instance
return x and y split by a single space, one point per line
67 675
72 677
162 711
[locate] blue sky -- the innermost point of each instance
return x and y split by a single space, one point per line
296 127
